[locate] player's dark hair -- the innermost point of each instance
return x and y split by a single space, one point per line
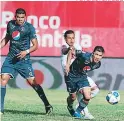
20 11
99 48
68 32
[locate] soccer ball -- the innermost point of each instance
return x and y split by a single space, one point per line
113 97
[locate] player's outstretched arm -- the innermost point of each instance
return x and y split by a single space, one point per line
68 62
4 41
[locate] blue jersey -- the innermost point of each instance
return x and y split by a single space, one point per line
82 64
20 37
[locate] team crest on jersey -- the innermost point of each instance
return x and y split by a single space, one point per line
86 62
87 68
22 29
16 35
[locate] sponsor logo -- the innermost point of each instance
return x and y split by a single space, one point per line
51 77
16 35
86 68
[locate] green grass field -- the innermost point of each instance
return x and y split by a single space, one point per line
25 105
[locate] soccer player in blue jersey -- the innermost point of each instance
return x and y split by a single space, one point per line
70 43
20 34
76 75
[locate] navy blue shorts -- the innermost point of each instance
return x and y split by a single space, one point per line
23 67
75 84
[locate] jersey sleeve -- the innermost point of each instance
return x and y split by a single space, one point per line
32 33
62 48
8 30
78 53
63 61
98 65
63 57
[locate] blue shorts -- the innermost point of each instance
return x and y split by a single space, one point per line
23 67
75 84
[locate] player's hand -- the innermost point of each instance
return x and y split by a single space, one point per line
72 50
22 54
67 69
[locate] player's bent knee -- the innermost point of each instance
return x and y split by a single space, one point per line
4 82
4 79
87 98
94 88
94 92
31 81
73 96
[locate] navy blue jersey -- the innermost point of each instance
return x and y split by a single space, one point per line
82 64
20 37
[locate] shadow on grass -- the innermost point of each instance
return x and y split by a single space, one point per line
23 112
54 113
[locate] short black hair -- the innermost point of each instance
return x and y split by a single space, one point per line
68 32
20 11
99 48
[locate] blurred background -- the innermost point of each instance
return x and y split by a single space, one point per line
94 23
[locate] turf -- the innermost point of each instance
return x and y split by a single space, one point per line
25 105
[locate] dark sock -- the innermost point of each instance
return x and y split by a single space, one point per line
81 106
3 92
41 94
70 102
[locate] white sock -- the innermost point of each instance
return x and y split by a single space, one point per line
94 92
85 110
79 96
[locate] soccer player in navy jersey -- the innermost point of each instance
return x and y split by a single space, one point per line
70 43
76 75
20 34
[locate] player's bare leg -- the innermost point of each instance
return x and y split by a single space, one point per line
85 111
4 78
84 102
94 92
41 94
